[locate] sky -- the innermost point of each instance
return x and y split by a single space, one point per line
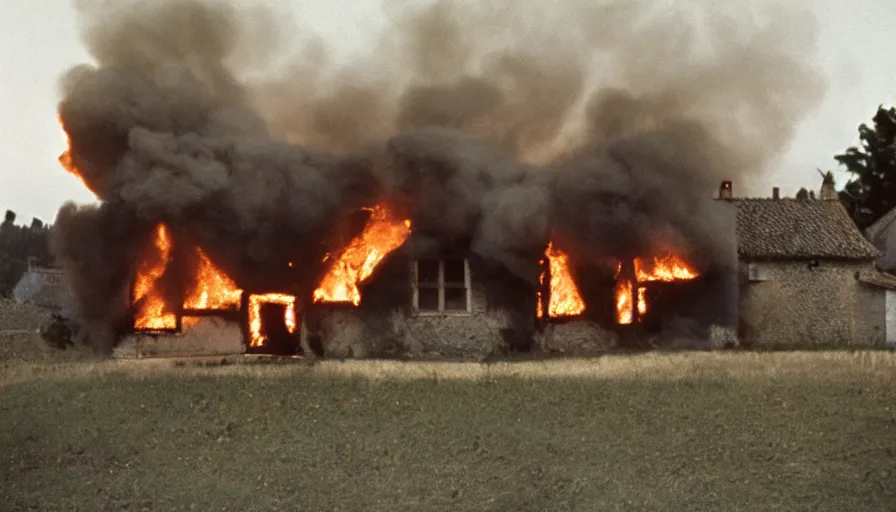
40 41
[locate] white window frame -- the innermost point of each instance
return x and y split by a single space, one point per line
756 273
415 282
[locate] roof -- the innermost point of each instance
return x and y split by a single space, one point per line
880 224
45 288
799 229
877 278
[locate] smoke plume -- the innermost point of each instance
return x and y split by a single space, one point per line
604 126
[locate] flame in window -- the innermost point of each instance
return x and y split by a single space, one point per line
152 313
661 268
382 235
213 289
565 299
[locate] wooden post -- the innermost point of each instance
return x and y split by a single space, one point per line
635 296
244 320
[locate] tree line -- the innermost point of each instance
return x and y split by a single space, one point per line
19 245
871 191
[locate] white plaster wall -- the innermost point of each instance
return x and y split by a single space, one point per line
890 315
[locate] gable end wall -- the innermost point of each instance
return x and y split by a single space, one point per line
795 305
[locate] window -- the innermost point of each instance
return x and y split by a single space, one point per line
441 286
756 272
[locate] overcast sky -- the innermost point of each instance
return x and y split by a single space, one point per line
857 42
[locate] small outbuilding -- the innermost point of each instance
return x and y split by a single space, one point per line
808 277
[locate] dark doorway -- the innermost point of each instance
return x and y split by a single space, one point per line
278 340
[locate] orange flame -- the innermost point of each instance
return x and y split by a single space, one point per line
152 314
624 304
66 159
214 289
256 338
642 300
664 268
382 235
565 299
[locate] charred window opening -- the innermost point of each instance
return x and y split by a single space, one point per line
273 324
176 285
441 286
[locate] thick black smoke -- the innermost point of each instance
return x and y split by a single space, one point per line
604 126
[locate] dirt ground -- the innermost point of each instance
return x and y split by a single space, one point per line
688 431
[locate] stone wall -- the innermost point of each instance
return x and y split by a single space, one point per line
793 304
400 332
21 317
577 337
455 335
342 332
210 336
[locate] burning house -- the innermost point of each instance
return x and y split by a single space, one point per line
392 290
483 201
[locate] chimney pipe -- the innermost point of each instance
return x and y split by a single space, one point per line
725 191
776 193
828 193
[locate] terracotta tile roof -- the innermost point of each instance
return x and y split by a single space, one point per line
798 229
878 278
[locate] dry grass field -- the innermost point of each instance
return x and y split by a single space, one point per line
687 431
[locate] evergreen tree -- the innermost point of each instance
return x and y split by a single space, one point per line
872 190
18 246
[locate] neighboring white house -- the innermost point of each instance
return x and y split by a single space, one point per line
882 234
45 288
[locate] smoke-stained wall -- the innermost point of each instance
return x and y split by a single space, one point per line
598 125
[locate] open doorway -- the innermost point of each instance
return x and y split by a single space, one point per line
272 325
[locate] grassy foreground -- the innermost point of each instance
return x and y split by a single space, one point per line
698 431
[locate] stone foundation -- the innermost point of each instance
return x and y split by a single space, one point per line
211 336
577 338
21 317
794 304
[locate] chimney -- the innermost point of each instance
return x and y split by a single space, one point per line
827 188
725 191
776 193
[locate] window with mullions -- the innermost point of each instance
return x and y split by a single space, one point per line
441 286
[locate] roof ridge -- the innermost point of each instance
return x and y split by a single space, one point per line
882 222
